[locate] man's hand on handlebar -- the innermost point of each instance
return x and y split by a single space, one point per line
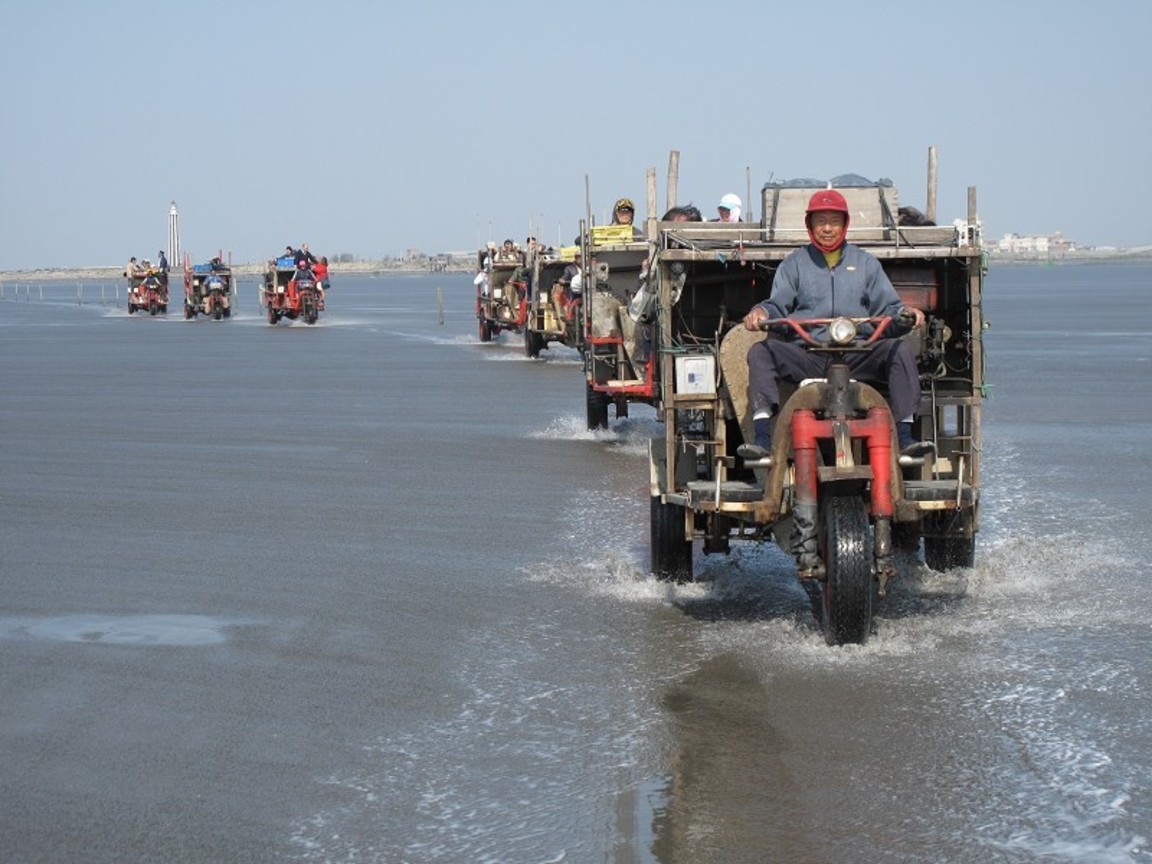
756 318
911 317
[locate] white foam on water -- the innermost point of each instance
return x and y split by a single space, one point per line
431 338
572 428
1056 774
556 354
563 360
630 435
498 353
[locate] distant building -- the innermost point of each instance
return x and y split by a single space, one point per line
1035 245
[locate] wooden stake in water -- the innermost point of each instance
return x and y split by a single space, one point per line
440 306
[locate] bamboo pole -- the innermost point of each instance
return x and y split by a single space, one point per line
930 206
650 185
588 200
747 215
673 179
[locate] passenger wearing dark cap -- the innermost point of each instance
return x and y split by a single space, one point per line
623 214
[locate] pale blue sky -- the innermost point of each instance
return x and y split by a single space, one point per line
369 128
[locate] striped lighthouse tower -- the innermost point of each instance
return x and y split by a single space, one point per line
174 235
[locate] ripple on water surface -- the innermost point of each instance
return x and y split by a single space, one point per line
180 630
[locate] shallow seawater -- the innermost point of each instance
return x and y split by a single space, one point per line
371 591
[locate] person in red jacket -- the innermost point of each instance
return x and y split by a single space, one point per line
320 271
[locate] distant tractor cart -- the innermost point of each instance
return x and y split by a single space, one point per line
835 490
208 289
148 292
290 293
555 302
501 294
617 337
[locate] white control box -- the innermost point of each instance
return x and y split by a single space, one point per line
696 373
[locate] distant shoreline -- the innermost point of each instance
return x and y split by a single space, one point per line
1141 254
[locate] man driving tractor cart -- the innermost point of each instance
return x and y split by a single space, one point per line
827 278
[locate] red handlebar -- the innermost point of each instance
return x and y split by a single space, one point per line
802 327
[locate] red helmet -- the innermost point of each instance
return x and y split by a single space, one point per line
827 199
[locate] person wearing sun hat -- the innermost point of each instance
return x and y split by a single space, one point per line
729 208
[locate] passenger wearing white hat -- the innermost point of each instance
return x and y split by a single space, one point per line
729 208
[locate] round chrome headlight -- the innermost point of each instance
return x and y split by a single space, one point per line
842 331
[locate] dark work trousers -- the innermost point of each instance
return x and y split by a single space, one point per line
889 360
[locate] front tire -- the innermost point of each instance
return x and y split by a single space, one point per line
846 541
533 342
671 549
273 317
485 330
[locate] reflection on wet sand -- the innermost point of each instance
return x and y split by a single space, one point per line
729 792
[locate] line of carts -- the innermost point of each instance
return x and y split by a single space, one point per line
659 322
209 290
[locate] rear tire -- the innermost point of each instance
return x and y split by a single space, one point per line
846 541
485 330
947 553
671 550
273 317
597 405
949 542
906 536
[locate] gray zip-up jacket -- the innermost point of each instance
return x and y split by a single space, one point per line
857 287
